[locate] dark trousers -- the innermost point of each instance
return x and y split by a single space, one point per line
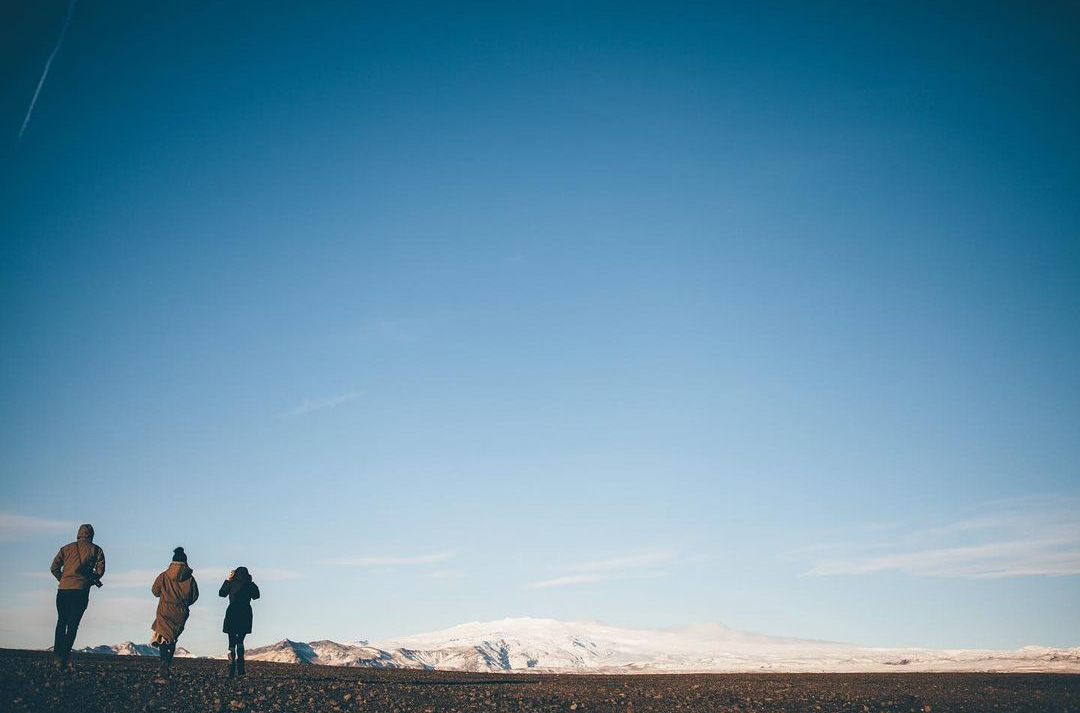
236 654
236 645
70 606
166 652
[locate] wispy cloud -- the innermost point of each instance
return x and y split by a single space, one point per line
143 578
108 613
1007 538
392 561
130 579
259 574
626 567
593 577
566 580
45 71
311 405
649 559
15 527
446 574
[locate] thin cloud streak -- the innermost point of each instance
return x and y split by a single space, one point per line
595 577
447 574
45 72
392 561
628 567
107 613
1032 536
311 405
563 581
13 526
259 574
617 563
130 579
144 578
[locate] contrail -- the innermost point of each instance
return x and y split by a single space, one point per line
45 73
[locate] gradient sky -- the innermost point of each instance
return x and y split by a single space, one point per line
650 313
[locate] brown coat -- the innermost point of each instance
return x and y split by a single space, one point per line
78 564
176 590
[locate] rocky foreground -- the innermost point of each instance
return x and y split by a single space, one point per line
126 683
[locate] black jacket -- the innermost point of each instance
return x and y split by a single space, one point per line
240 590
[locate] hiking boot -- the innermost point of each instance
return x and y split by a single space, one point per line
240 666
232 665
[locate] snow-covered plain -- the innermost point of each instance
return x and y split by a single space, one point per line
549 645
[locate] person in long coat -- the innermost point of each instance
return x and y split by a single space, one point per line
240 590
176 590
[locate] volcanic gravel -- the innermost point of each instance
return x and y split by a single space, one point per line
114 684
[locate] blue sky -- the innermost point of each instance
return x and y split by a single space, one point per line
650 313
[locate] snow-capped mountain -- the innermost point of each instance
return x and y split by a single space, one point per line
129 648
329 653
591 647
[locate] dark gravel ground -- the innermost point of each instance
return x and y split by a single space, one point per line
120 684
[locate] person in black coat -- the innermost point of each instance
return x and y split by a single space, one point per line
240 590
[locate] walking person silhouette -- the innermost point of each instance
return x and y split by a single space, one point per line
76 566
176 590
240 590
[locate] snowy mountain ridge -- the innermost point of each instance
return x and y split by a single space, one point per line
129 648
550 645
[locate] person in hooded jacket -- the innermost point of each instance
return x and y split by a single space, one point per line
240 590
76 566
176 590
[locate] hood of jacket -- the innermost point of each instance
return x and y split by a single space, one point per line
239 580
86 532
179 571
